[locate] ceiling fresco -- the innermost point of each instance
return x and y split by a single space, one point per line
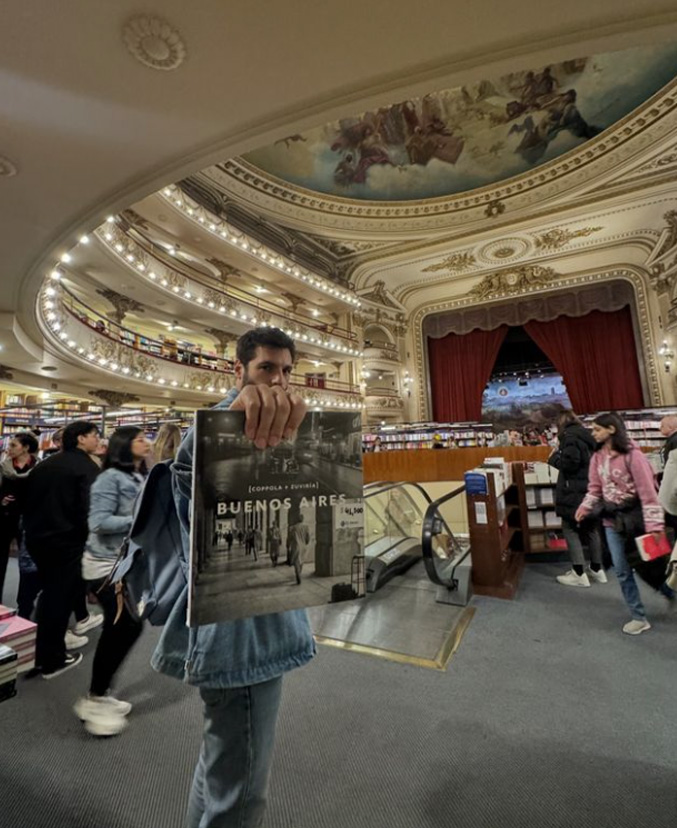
456 140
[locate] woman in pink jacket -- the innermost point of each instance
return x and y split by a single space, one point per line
621 485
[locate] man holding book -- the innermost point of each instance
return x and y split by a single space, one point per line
238 665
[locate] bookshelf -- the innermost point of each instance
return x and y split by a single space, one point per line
420 436
643 425
543 527
497 540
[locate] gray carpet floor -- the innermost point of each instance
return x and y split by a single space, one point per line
547 716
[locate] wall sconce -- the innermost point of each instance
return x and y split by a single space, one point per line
668 355
407 382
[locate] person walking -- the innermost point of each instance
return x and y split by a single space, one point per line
238 665
14 470
56 532
621 487
274 541
110 518
572 460
298 538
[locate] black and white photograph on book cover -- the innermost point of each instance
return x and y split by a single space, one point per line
274 529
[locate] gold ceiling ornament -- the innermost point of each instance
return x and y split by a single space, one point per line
225 269
153 42
661 278
7 167
379 295
455 263
223 338
516 280
130 218
115 399
122 304
670 239
557 237
494 208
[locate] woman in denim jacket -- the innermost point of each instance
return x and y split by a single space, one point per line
112 501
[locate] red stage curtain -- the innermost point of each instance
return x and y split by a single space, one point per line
596 356
460 367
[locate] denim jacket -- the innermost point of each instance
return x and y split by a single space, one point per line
231 653
111 504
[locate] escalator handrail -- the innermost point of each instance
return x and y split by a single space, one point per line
397 543
427 535
389 486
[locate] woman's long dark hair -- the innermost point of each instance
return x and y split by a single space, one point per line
620 441
565 418
119 455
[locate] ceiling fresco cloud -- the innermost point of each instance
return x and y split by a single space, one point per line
457 140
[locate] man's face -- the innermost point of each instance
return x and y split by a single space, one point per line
88 442
268 366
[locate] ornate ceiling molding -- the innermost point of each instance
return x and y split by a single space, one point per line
649 359
558 237
516 280
8 168
115 399
599 157
154 42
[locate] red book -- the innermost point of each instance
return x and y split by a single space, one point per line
650 548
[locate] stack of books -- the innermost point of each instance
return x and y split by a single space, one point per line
19 634
8 672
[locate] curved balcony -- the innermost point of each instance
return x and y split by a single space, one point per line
383 401
89 336
381 355
205 220
179 279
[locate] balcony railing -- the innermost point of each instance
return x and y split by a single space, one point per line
101 341
178 278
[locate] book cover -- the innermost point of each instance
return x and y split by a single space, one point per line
274 529
15 629
649 548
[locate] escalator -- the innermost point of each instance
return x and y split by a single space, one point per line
404 525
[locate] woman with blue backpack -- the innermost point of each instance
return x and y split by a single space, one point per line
112 499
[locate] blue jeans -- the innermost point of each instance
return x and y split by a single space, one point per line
231 776
625 574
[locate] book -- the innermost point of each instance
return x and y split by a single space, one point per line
273 529
6 612
649 548
16 630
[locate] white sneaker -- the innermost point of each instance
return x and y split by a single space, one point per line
599 576
570 578
90 703
100 716
73 641
92 621
635 627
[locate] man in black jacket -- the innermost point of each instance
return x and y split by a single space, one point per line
55 523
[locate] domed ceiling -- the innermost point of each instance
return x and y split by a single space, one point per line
460 139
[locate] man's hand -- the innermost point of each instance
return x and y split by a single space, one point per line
580 514
271 414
